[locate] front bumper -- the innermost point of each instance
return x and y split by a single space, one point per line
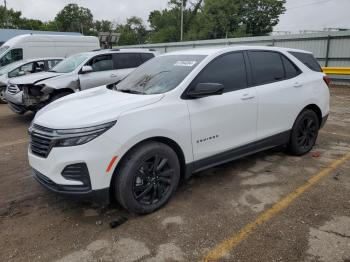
96 155
15 102
14 98
100 196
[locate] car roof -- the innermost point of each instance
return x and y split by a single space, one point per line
218 50
41 58
123 50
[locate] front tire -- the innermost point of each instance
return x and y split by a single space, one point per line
59 95
304 133
148 178
2 95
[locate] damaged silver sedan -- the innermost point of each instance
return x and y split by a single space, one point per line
78 72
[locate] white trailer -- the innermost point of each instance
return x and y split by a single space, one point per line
33 46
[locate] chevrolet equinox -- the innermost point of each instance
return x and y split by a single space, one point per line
175 115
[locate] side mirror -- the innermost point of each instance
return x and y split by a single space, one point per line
86 69
21 73
205 89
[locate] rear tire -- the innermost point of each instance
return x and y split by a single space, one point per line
147 178
304 133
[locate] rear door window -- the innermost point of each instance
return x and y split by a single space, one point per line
127 60
309 60
228 69
267 67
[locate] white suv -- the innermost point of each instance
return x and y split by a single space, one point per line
177 114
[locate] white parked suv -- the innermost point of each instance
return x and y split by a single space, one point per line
177 114
77 72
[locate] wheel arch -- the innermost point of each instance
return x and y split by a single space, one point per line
165 140
62 90
316 109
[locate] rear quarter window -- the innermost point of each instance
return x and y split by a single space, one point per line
309 60
146 56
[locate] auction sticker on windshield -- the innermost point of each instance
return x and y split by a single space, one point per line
185 63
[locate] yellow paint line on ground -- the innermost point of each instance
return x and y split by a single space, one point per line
17 142
227 245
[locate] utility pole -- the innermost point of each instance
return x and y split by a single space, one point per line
5 20
182 20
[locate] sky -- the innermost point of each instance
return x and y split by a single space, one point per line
300 14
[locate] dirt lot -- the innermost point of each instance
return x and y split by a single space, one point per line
260 208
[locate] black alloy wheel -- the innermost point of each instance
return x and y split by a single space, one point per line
153 180
304 133
307 133
147 178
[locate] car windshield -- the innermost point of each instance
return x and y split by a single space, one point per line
160 74
70 64
3 49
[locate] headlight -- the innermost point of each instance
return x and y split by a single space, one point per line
79 136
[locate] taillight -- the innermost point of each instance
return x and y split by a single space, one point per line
327 80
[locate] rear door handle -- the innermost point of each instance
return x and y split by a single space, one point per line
247 96
296 85
114 75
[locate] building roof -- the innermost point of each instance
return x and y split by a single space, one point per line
7 34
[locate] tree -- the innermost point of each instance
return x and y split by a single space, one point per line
166 24
260 16
74 18
103 26
133 32
9 18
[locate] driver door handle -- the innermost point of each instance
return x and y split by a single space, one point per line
247 96
114 75
297 84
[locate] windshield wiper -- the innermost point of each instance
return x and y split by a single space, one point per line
130 91
53 71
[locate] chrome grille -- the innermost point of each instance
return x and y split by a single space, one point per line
41 140
13 89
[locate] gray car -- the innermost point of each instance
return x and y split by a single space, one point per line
78 72
24 67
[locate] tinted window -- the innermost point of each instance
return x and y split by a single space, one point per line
160 75
309 60
126 60
146 56
228 70
101 63
12 56
267 67
291 70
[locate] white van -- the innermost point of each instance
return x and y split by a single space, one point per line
33 46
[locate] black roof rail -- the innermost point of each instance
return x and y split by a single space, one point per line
115 49
151 49
95 50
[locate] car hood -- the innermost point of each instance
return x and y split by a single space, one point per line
33 78
91 107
